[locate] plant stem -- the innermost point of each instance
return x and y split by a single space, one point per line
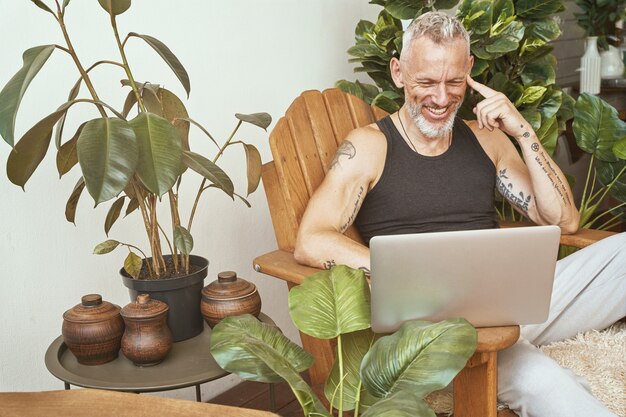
201 189
126 66
82 71
341 376
175 222
169 244
146 221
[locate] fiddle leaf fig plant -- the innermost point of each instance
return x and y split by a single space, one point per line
133 156
372 375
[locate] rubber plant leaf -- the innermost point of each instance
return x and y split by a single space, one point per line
253 164
42 6
106 247
183 240
257 351
159 152
400 404
131 100
420 357
209 170
133 264
169 58
72 202
61 123
115 7
331 302
32 147
133 205
67 156
355 346
113 214
107 154
12 93
597 127
173 109
262 120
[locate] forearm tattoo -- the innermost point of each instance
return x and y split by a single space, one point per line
553 176
520 201
346 148
355 210
329 264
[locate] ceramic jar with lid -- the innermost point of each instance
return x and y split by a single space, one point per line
229 296
147 340
92 330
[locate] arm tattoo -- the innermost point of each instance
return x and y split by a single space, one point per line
554 178
355 210
520 201
329 264
346 148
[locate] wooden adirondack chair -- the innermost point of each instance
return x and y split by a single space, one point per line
303 143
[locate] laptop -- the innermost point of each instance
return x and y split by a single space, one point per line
493 277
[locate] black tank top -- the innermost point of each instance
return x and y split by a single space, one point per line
417 193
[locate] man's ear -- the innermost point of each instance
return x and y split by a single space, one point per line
471 64
396 73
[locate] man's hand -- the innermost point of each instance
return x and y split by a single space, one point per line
497 111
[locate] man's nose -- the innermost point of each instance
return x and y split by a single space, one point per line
441 95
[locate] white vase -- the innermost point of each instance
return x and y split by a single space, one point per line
590 65
612 65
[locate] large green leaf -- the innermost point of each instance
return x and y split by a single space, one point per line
354 345
620 148
420 357
597 127
262 120
183 240
113 214
209 170
173 109
32 147
67 156
107 154
257 351
160 152
548 134
405 9
538 9
115 7
608 173
169 58
551 103
542 70
331 302
12 93
72 202
400 404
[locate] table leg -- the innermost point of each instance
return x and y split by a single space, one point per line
198 394
272 397
66 385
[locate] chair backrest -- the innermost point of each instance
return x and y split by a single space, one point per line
303 144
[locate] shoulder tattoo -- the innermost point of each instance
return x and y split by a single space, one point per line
345 149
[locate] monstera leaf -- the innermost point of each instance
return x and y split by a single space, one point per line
400 404
597 127
331 302
260 352
420 358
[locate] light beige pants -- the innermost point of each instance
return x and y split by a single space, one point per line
589 293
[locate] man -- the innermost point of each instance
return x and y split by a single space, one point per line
422 169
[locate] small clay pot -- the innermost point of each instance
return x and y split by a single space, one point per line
229 296
147 340
93 330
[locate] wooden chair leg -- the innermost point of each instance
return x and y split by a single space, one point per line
475 387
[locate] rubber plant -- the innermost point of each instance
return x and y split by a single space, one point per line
134 155
372 375
600 133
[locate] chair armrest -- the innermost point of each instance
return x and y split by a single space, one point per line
281 264
582 238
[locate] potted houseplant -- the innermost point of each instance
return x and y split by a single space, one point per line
372 375
134 156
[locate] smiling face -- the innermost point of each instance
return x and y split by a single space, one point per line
433 76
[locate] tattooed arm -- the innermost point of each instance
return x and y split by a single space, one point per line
335 204
535 186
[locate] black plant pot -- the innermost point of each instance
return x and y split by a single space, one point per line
181 294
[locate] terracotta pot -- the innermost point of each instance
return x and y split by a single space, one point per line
229 296
147 340
93 330
181 294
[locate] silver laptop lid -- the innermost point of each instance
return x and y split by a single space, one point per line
490 277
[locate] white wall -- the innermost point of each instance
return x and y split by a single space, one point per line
242 56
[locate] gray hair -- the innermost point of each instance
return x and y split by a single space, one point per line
438 27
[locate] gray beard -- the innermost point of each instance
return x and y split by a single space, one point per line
428 129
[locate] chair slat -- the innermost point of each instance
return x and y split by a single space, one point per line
360 111
379 113
304 142
290 176
284 222
338 113
322 129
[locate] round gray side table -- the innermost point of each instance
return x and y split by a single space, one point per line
188 363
